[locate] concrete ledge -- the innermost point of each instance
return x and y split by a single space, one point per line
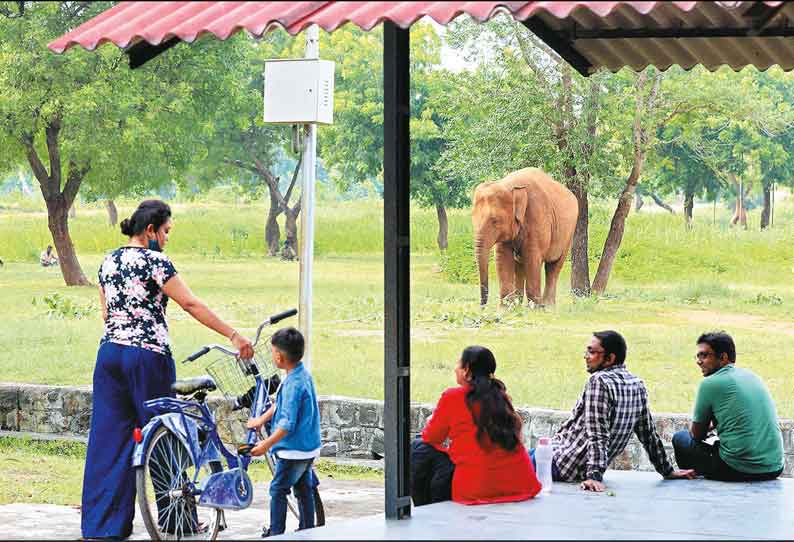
350 427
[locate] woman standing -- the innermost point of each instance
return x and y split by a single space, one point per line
134 363
485 461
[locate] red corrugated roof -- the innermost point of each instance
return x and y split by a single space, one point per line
156 22
589 35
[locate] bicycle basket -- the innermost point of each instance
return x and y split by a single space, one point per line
235 377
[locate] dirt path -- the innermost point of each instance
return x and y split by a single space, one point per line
747 321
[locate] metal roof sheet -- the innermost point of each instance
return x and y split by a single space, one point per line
589 35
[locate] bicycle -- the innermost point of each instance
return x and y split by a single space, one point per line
183 488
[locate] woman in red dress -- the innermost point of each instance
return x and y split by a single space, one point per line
485 461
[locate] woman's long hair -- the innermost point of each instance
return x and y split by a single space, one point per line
488 402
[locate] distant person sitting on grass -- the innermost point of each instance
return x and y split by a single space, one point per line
48 257
485 462
295 439
613 407
736 403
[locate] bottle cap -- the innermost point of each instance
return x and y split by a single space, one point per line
544 441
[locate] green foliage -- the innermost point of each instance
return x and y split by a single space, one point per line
767 299
59 306
458 263
352 148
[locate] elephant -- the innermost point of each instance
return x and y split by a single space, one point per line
531 219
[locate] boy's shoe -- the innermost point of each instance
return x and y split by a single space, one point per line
265 532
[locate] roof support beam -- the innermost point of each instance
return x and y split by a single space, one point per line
142 52
396 260
639 33
560 44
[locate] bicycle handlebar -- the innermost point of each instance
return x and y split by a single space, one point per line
197 355
273 320
269 321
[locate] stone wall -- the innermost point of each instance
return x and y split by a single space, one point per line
350 427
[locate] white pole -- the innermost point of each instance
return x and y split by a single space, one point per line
308 174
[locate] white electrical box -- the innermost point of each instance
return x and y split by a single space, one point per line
299 91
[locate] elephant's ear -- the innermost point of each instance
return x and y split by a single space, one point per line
519 210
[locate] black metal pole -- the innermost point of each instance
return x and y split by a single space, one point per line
396 249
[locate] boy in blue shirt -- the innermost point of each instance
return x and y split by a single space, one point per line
295 439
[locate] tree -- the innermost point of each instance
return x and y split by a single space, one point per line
646 93
537 112
741 137
85 120
246 151
352 148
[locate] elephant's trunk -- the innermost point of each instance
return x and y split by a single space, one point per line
482 251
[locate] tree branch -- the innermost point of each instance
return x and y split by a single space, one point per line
38 168
240 164
524 45
294 178
52 130
9 14
73 181
272 182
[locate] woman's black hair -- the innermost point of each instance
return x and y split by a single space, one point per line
488 402
150 211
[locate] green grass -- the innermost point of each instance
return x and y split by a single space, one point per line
51 472
667 286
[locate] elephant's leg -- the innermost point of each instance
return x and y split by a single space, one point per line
553 270
506 269
521 281
532 264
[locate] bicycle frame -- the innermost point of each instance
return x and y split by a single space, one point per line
230 488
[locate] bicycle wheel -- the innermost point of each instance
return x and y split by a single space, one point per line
292 502
163 485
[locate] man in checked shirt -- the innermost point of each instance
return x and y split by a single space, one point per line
613 406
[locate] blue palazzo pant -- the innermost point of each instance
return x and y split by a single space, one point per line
124 377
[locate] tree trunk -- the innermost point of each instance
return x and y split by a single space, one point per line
272 231
658 201
72 211
617 227
443 226
767 211
113 213
58 201
578 182
580 264
290 250
58 223
638 203
689 205
739 213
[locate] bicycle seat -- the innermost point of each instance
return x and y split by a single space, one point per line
186 386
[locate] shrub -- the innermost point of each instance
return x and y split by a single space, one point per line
458 263
61 307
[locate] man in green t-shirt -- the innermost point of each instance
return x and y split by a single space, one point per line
737 404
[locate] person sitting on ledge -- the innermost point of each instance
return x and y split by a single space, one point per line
485 462
613 406
48 257
736 403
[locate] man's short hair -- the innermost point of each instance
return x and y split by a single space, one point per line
290 342
720 342
612 343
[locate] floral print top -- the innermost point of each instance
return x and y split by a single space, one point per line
132 279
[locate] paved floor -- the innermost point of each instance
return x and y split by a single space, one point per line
344 499
641 506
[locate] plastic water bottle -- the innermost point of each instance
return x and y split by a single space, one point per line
543 455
